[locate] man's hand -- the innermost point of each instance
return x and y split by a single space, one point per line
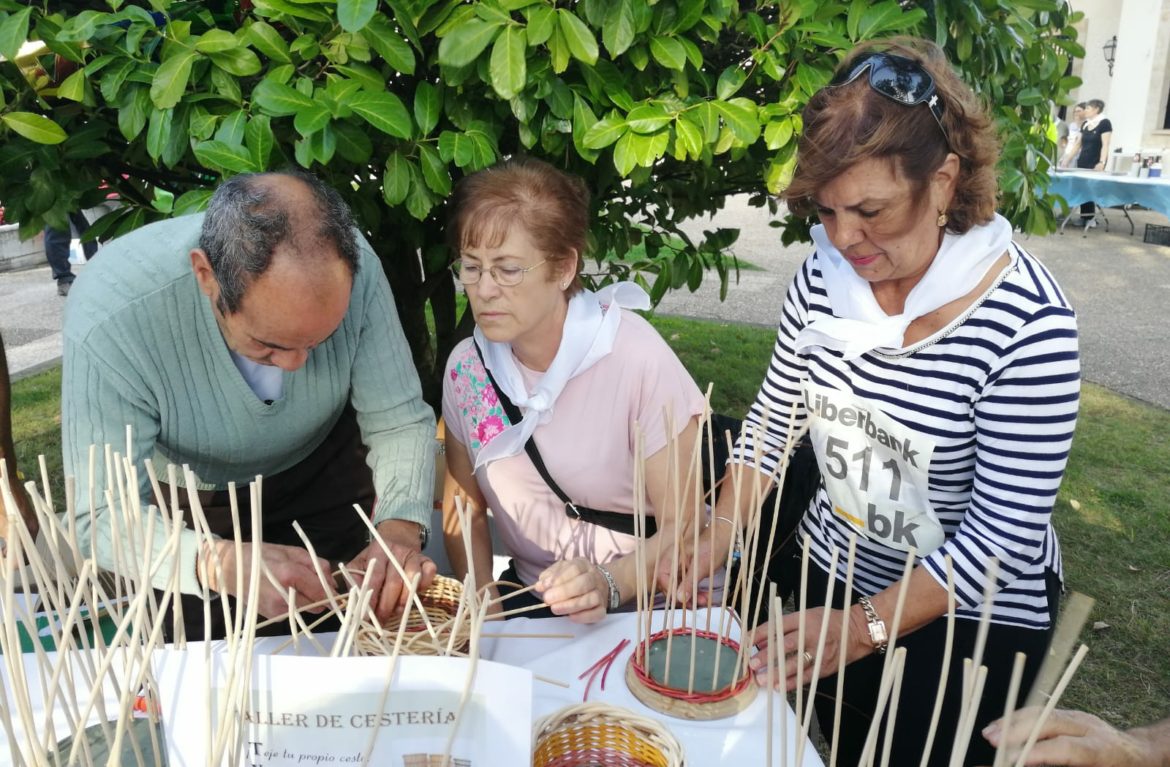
290 566
1077 739
576 589
390 595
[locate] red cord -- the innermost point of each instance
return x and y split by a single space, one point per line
638 661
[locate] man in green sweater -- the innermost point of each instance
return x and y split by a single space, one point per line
258 338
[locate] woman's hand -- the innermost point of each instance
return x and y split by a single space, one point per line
575 589
858 646
711 555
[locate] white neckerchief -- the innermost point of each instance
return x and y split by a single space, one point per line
591 324
860 325
1094 122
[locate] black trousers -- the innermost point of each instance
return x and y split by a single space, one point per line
57 246
319 493
920 681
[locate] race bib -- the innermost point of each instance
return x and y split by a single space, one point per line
874 469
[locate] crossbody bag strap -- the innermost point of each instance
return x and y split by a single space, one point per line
611 520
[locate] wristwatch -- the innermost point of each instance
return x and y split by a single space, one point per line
877 627
615 596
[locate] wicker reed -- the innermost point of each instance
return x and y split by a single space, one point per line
604 735
441 603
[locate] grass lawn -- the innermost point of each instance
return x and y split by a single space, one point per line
1111 513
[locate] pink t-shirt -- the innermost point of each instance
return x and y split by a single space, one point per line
587 447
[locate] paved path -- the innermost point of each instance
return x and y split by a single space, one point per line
1119 286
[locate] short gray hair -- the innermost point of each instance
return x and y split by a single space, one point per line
245 223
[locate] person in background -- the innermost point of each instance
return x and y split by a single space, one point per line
1077 739
935 363
8 455
57 243
1072 146
1093 147
257 338
585 376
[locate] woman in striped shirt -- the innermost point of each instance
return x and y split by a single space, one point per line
935 363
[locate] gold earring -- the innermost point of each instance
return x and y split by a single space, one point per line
942 219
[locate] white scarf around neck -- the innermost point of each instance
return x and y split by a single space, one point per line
860 325
591 325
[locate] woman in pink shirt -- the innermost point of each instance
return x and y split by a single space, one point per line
582 376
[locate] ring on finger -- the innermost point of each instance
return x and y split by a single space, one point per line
808 658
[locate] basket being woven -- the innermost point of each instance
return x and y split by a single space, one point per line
440 603
600 734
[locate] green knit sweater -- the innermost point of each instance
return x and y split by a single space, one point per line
143 351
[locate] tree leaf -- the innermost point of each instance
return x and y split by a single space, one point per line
419 200
688 136
231 130
541 22
611 128
558 50
730 81
13 33
158 132
264 38
582 44
741 117
508 66
34 127
132 113
396 179
465 42
648 118
428 103
384 111
625 159
778 133
312 119
170 80
190 202
352 143
74 87
278 99
216 41
241 62
668 52
434 170
354 15
259 140
218 155
322 145
383 38
618 31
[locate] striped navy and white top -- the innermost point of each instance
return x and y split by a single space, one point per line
996 391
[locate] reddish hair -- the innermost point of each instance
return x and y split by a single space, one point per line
550 205
848 124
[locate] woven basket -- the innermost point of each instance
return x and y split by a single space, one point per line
440 603
600 734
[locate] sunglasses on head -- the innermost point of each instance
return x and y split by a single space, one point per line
898 79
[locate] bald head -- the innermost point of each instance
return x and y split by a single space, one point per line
255 219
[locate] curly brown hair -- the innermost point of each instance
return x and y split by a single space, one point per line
851 123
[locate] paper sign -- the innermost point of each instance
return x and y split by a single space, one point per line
311 712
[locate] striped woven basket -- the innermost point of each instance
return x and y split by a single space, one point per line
600 734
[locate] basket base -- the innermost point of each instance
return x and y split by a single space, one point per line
683 709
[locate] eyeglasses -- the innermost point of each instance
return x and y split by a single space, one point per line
504 276
898 79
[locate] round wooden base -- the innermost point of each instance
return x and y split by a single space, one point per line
709 698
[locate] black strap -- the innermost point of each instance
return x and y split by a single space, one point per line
610 520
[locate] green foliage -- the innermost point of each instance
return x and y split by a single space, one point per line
665 108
